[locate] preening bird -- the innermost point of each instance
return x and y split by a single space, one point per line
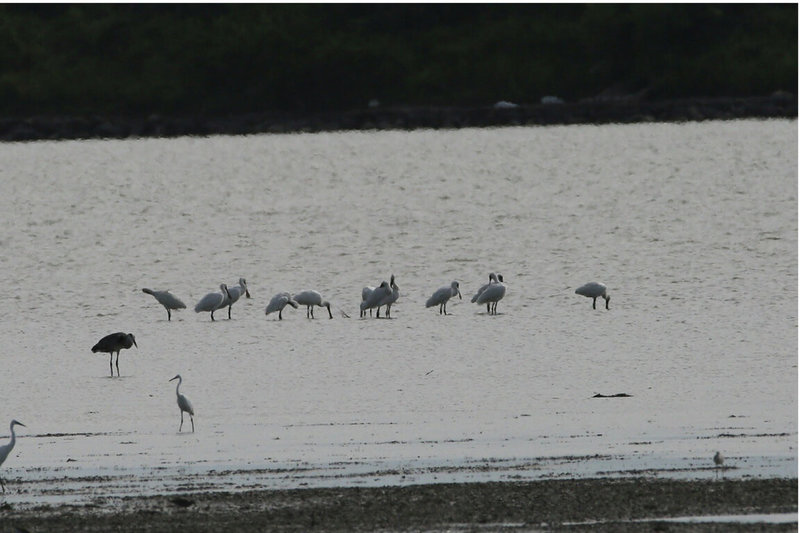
376 297
594 291
114 343
491 295
235 292
5 450
310 299
213 301
183 403
442 296
167 299
389 299
278 302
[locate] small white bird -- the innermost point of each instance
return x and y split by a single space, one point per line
167 299
442 296
213 301
235 292
5 450
278 302
391 298
492 294
493 278
310 299
376 297
183 403
594 291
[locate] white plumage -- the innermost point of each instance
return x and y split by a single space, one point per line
5 450
492 294
213 301
376 297
594 290
235 292
278 302
311 298
167 299
183 403
442 295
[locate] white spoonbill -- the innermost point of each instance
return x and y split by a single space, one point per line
278 302
493 278
310 299
6 448
375 297
491 295
388 300
594 291
213 301
183 403
114 343
442 296
235 292
167 299
365 292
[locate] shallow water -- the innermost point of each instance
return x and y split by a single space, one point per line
693 227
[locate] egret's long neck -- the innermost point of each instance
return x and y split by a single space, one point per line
13 437
178 386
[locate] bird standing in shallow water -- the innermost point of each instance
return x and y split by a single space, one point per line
213 301
310 299
114 343
278 302
235 292
594 291
493 278
5 450
167 299
183 403
492 294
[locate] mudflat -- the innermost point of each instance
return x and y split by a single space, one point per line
639 504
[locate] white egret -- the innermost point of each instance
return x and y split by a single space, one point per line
235 292
213 301
183 403
114 343
491 295
442 296
310 299
594 291
167 299
278 302
376 297
5 450
389 299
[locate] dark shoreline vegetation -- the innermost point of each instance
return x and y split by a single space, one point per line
140 70
639 504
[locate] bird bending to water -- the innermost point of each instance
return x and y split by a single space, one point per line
389 299
278 302
442 296
492 294
376 297
213 301
594 291
114 343
167 299
5 450
310 299
235 292
183 403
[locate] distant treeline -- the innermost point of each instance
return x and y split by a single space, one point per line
213 59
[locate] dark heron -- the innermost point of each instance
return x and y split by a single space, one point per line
114 343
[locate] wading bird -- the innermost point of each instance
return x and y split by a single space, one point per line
365 292
6 448
167 299
493 278
594 291
442 296
235 292
213 301
310 299
114 343
491 295
376 297
183 403
391 298
278 302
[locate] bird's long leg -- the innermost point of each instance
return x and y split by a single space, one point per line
111 363
117 364
311 307
192 419
279 314
169 315
489 308
388 311
181 426
594 302
212 315
378 312
229 312
2 484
